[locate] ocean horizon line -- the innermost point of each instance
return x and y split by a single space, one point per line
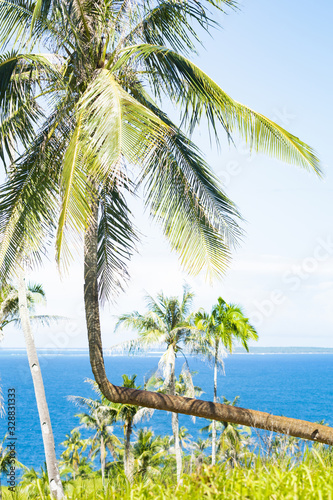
111 352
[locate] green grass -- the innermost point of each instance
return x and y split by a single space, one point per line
309 478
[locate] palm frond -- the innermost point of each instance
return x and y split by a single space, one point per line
142 415
28 203
195 215
165 365
116 243
118 127
76 196
179 183
198 95
20 76
15 18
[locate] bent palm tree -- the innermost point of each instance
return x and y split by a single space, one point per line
90 104
225 325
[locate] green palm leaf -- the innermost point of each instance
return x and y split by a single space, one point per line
75 210
198 95
118 126
116 243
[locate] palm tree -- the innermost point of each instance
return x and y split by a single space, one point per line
233 442
6 461
130 415
9 306
83 110
148 452
184 438
166 322
198 451
75 446
99 418
15 306
222 327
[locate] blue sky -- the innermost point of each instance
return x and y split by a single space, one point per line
276 58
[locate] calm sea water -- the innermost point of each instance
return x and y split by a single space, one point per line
294 385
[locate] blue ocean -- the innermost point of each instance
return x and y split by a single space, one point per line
294 385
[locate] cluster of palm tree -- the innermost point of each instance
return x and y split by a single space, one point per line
146 454
170 323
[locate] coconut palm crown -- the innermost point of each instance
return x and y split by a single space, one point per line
83 98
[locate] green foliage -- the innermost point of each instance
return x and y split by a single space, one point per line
308 478
80 90
9 305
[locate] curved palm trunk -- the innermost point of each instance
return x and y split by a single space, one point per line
175 426
43 411
215 400
128 456
167 402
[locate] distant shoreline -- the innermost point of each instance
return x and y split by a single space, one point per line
157 352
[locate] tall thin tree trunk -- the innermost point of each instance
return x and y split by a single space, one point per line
103 455
175 426
43 411
167 402
215 400
128 456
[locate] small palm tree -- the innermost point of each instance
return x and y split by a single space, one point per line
234 445
130 415
75 447
225 325
184 438
166 323
6 460
35 484
9 306
199 452
148 452
99 417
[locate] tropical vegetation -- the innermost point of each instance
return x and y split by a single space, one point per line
83 127
87 113
166 323
247 465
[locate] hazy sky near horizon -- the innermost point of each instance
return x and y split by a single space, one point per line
276 58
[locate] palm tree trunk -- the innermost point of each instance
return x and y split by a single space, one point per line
43 411
103 454
167 402
175 426
128 457
215 400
